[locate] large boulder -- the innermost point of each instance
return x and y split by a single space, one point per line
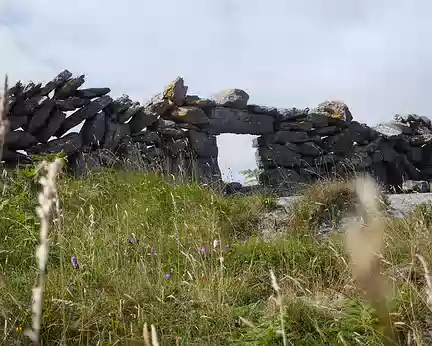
232 98
335 109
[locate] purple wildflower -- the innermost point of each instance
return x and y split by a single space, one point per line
225 246
167 276
74 262
132 240
114 244
204 249
122 172
154 253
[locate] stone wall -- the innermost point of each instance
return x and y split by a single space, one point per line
176 132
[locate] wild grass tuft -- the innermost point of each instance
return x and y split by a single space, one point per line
133 250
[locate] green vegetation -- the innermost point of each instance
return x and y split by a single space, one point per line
191 262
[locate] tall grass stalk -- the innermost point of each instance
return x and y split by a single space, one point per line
47 200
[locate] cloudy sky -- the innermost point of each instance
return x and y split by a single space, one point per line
374 55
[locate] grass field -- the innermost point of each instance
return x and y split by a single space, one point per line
134 249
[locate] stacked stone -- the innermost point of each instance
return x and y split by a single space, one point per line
111 130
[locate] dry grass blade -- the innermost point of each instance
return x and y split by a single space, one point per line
279 303
364 244
427 279
4 122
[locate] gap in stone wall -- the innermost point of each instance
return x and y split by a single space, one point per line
235 154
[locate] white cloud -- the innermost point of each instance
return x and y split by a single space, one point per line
372 54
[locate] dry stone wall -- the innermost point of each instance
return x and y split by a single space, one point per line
176 132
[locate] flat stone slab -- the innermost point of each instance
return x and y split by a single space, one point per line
400 204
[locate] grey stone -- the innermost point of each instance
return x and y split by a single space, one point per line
318 119
232 98
141 120
277 155
131 112
341 143
57 82
421 140
11 156
113 134
415 186
426 121
388 152
190 115
17 122
69 88
407 118
296 126
415 154
93 131
54 122
326 131
280 177
71 103
406 129
227 120
91 93
272 111
327 159
85 162
310 149
265 140
336 109
188 126
17 140
147 137
176 91
196 101
30 90
387 130
203 144
232 188
290 114
40 116
360 133
290 136
361 160
207 169
176 146
420 129
84 113
70 144
168 128
120 105
26 107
